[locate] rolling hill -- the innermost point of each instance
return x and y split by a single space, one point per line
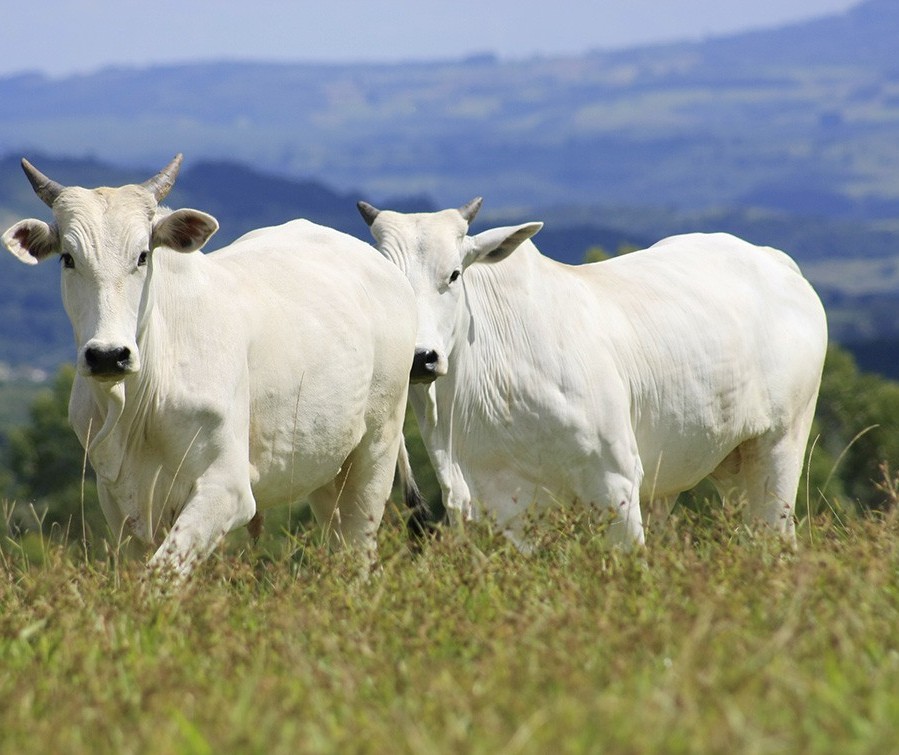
801 118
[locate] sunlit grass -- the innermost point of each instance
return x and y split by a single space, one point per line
712 640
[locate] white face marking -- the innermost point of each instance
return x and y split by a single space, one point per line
430 250
105 237
434 249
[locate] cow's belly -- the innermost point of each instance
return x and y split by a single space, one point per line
567 462
296 449
285 469
506 496
678 450
676 467
508 479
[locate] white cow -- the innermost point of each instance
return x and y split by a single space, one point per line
209 387
611 384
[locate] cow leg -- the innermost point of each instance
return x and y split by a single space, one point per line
626 528
767 471
350 508
323 503
123 537
349 521
214 508
657 512
619 495
345 519
614 484
773 484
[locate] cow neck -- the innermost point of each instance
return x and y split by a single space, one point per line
104 450
499 302
169 305
478 386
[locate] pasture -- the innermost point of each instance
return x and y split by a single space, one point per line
712 640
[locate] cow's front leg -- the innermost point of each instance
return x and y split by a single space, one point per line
617 488
626 527
215 507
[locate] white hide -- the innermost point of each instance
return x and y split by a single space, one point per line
269 371
615 384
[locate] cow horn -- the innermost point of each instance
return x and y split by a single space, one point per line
46 188
161 184
369 213
469 210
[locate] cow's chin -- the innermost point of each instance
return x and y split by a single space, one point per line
109 377
427 373
428 377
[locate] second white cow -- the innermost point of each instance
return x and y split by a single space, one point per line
210 386
611 384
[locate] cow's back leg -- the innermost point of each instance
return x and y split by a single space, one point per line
610 483
323 503
351 506
121 533
349 511
766 470
656 512
763 474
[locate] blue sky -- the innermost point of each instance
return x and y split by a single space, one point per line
63 37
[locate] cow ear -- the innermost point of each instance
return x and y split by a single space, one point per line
184 230
498 243
32 241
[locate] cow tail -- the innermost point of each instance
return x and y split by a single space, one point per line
419 522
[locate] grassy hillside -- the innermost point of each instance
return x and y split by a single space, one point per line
711 641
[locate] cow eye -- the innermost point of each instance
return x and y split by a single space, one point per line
142 259
455 276
67 260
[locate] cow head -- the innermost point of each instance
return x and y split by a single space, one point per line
104 239
434 250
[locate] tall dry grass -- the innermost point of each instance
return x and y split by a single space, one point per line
715 639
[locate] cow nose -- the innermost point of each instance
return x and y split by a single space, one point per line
424 366
107 361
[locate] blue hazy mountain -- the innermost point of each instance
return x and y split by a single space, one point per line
801 118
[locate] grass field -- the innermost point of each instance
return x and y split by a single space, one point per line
712 640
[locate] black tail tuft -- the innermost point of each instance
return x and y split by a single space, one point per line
420 523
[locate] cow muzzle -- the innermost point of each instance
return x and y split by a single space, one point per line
109 362
427 366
